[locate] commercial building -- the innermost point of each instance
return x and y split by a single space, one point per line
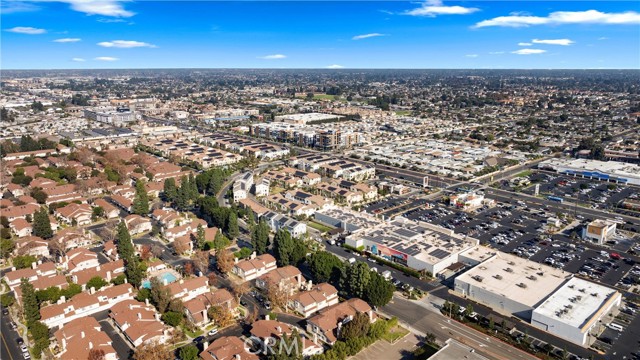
115 116
611 171
510 284
303 119
576 311
468 201
599 231
418 245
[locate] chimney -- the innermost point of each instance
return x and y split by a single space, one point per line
81 334
253 255
90 345
237 357
92 290
108 278
13 268
139 316
64 343
34 265
266 317
205 345
146 301
39 262
62 300
279 329
157 316
235 260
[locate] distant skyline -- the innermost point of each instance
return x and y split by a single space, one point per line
86 34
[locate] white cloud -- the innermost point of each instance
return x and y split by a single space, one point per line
106 58
335 66
529 51
524 44
67 40
273 57
366 36
603 38
107 21
78 60
471 55
434 8
564 17
100 7
125 44
10 7
496 52
563 42
27 30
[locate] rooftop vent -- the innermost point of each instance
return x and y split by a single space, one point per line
571 286
531 277
477 278
498 276
522 285
509 270
594 294
582 290
511 263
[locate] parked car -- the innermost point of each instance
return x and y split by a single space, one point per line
213 331
198 339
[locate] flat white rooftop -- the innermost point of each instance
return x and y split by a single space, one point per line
576 302
521 280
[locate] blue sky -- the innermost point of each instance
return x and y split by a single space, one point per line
78 34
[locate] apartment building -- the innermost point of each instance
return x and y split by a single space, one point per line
252 268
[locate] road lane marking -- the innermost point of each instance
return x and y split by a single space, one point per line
6 346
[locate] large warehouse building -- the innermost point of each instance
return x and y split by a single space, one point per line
574 311
510 284
613 171
551 299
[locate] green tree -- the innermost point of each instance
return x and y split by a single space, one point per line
141 200
325 266
200 237
7 300
356 279
6 247
118 280
260 237
216 182
232 225
288 250
39 195
357 327
220 242
125 246
23 261
379 291
170 190
97 212
42 224
172 318
159 295
134 272
96 282
189 352
29 302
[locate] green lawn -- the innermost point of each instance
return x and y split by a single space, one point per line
403 112
318 226
320 97
524 173
396 334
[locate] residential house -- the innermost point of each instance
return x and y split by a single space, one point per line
139 322
110 211
79 259
71 238
84 304
182 230
62 193
20 211
327 324
288 279
196 308
78 337
262 331
122 202
21 227
317 298
111 250
137 224
227 348
187 289
36 271
78 214
278 221
262 188
254 267
32 245
107 271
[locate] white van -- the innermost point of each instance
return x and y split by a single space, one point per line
615 327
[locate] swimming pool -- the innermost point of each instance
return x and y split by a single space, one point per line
168 276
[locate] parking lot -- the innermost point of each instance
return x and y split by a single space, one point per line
536 234
594 193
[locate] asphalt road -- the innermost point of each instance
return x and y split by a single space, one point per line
8 347
426 321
